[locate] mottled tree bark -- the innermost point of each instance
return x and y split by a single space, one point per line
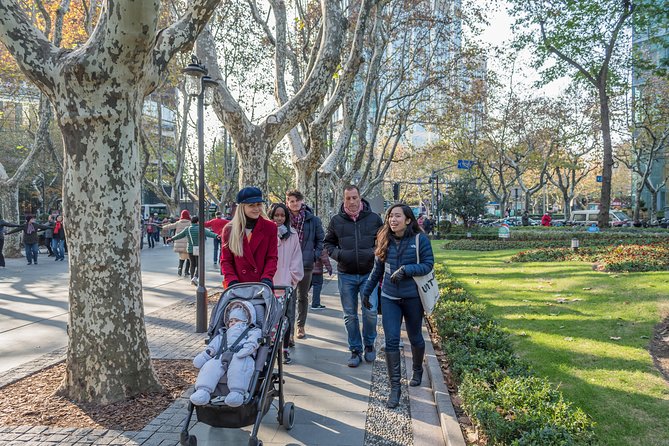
97 91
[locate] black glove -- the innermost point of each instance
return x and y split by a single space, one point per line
366 303
268 283
232 282
398 275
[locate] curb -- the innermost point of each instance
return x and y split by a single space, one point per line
450 428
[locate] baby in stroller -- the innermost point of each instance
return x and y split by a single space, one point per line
230 353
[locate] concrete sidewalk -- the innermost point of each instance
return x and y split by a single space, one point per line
335 404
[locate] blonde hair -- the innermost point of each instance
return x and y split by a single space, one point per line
237 225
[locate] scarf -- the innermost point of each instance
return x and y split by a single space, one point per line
250 225
56 229
30 229
297 222
354 215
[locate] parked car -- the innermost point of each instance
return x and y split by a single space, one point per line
588 217
513 221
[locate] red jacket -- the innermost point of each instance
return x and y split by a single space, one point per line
216 225
546 220
260 258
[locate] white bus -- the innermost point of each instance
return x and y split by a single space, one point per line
150 209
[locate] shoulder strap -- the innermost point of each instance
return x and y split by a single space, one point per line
417 249
224 344
190 236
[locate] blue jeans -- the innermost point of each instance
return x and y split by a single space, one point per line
349 292
217 247
317 285
393 311
57 247
32 249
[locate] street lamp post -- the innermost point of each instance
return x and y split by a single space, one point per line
198 84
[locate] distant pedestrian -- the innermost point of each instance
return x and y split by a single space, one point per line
165 233
428 225
151 228
350 241
48 235
217 224
156 232
395 265
310 232
546 219
31 239
421 221
181 246
525 219
289 270
4 224
249 248
192 236
58 242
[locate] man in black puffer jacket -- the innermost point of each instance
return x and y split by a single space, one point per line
350 241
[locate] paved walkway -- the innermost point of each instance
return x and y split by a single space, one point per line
335 405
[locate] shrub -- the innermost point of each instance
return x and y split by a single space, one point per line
546 436
524 406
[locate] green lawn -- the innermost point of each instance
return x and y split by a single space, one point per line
571 343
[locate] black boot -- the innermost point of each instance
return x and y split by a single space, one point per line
417 353
181 265
394 376
187 271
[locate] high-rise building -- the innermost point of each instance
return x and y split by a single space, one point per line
652 43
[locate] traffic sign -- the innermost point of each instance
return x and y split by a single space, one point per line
599 178
465 164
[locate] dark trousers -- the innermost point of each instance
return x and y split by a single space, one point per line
217 247
151 239
411 310
316 287
2 257
193 265
290 314
303 297
47 243
32 249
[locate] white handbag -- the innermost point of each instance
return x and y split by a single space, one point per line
196 249
427 285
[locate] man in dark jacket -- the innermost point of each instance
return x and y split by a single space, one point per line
310 232
350 241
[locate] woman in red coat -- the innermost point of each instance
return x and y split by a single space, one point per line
250 249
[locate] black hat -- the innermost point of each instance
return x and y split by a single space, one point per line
249 195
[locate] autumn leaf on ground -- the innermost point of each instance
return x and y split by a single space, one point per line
587 288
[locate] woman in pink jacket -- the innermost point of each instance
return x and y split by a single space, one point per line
290 269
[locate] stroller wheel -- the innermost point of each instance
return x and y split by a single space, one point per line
288 416
188 440
254 441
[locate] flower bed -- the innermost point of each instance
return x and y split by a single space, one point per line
504 400
624 257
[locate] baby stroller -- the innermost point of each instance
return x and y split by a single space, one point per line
266 383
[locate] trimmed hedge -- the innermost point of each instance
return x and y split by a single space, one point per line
500 394
553 240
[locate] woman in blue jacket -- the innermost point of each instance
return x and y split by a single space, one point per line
396 263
